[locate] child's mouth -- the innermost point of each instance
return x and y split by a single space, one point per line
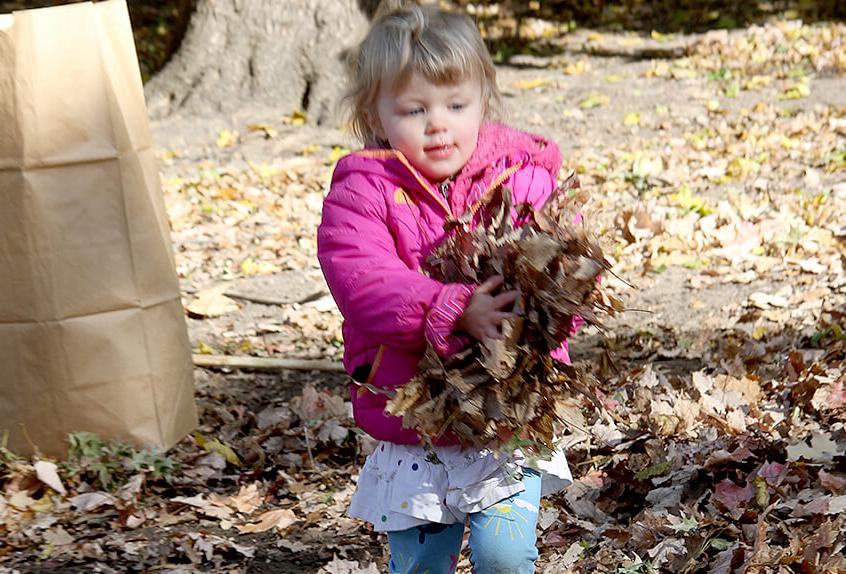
439 151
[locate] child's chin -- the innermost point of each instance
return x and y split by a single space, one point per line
439 174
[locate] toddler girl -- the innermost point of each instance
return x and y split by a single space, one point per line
423 88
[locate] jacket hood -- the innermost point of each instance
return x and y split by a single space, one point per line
496 141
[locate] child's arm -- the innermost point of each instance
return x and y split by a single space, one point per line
375 290
532 184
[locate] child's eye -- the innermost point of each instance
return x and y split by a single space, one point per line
413 112
457 107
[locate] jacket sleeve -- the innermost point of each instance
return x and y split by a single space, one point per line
532 184
375 290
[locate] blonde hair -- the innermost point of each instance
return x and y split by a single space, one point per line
406 37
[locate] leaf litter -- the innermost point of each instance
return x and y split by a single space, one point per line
718 446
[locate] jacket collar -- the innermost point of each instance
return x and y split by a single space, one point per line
496 141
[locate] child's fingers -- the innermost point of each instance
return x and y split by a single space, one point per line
504 299
490 285
492 330
492 333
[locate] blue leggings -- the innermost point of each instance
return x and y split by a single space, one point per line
502 539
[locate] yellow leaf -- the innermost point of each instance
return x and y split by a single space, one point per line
266 129
337 153
795 92
787 142
43 504
632 119
214 445
614 78
310 149
594 37
740 167
686 200
297 118
529 84
577 69
204 349
251 267
263 170
658 70
659 37
227 138
228 193
593 101
757 82
212 302
631 41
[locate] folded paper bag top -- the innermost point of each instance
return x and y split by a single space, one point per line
65 61
92 331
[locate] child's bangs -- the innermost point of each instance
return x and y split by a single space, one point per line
450 67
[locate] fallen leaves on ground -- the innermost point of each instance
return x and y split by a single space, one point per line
719 443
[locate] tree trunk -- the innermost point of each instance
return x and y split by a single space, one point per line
285 55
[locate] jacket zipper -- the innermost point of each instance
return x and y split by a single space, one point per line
498 180
427 187
444 187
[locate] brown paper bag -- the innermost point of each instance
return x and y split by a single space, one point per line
92 332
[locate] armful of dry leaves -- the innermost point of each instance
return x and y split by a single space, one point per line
499 389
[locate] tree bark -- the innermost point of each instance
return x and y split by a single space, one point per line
285 55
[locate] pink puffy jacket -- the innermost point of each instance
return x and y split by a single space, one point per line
381 219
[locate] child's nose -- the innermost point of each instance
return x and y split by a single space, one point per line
436 123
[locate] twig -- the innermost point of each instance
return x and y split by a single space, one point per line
270 301
308 445
266 364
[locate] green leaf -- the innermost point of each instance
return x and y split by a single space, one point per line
762 492
659 469
688 524
732 90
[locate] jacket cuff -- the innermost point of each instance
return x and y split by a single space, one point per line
441 319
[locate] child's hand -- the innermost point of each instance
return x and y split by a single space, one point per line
484 315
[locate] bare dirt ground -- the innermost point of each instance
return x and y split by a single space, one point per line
668 107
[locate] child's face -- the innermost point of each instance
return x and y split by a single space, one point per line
434 126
